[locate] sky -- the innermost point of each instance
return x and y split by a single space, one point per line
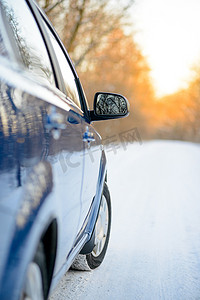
168 32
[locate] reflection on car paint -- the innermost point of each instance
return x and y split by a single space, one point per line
37 187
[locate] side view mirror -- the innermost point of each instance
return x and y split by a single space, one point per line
109 106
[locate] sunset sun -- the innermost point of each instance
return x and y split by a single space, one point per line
168 34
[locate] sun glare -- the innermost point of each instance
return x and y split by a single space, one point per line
168 34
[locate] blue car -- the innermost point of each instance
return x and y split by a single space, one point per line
54 200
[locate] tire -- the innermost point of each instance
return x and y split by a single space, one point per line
36 278
102 231
101 237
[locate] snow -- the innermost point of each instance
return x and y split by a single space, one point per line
154 250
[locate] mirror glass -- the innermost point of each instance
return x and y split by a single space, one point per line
110 104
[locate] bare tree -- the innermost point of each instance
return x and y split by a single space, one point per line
84 24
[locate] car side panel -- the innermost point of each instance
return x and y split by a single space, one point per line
66 158
25 180
36 185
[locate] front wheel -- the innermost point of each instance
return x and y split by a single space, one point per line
102 231
101 236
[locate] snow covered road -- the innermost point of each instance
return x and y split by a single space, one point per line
154 250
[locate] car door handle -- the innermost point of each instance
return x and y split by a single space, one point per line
88 136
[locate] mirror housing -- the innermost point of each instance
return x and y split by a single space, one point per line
109 106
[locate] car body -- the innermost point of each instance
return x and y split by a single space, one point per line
52 164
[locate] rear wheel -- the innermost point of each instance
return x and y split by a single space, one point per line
101 236
36 277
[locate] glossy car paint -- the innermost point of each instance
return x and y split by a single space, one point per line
52 171
41 177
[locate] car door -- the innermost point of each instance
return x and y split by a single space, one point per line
60 140
92 140
65 155
74 160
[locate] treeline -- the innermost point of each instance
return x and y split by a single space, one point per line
177 116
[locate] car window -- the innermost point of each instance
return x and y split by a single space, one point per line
67 74
29 44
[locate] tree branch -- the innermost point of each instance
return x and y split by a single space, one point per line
49 8
77 25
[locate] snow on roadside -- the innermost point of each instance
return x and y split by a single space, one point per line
154 251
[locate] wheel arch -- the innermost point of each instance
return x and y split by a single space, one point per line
49 240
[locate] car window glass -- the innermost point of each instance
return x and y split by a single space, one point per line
68 77
3 50
30 45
